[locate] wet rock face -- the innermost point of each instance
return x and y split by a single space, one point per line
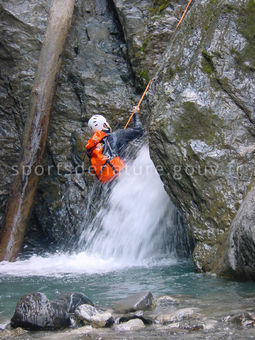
147 26
238 259
112 49
21 36
95 78
202 120
202 112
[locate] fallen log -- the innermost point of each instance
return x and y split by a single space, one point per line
36 129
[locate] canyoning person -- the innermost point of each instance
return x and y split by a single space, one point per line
106 149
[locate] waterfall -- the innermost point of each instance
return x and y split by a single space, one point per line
136 224
137 221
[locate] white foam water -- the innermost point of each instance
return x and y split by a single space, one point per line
129 230
132 224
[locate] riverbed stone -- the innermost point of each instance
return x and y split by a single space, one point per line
176 316
71 301
147 320
139 301
166 300
13 333
131 325
35 311
94 316
244 319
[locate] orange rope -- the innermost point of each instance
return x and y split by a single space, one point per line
140 101
184 13
147 87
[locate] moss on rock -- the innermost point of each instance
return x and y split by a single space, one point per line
145 75
207 63
159 6
195 123
246 24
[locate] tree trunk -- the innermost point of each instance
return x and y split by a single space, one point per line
36 129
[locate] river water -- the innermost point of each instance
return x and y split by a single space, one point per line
133 243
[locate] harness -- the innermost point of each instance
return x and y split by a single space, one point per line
104 165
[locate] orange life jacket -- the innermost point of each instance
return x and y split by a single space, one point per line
104 168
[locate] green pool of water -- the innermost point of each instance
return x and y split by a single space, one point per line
105 288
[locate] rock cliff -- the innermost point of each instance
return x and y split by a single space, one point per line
202 121
100 74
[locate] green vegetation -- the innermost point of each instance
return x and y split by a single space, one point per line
207 63
228 8
145 75
195 123
158 6
170 72
247 29
145 44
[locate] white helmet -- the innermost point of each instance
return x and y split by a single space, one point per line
97 123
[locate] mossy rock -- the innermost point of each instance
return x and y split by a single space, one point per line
207 63
196 123
159 6
246 24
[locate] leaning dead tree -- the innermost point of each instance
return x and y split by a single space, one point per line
36 129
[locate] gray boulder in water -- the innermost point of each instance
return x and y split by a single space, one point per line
94 316
238 259
139 301
35 311
72 300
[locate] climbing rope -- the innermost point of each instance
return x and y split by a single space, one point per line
184 13
138 106
148 85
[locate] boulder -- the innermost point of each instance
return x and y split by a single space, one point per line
209 324
131 325
202 120
94 316
239 250
177 316
187 325
139 301
244 319
166 300
138 315
72 300
35 311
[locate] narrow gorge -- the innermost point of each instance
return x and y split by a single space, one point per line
179 220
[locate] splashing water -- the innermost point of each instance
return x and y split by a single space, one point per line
136 217
133 227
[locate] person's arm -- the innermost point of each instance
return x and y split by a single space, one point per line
120 138
135 132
